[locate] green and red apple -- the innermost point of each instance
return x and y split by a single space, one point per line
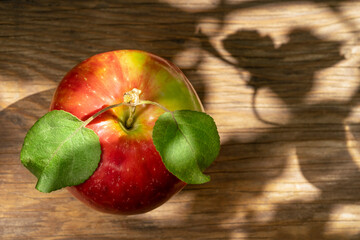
131 176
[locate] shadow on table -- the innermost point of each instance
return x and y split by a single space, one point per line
239 176
317 133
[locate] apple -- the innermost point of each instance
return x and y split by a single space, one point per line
131 177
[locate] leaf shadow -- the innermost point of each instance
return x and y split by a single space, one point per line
243 169
315 131
15 121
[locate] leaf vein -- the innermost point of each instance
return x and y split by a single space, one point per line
62 144
186 139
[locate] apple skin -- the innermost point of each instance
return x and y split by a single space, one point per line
131 177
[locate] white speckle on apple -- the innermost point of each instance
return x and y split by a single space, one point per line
128 170
85 78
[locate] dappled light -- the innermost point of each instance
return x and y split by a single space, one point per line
281 79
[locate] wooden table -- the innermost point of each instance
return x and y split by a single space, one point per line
280 77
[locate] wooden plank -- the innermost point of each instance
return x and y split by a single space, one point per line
280 78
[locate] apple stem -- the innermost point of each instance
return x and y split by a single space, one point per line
130 120
131 99
132 107
160 106
100 112
156 104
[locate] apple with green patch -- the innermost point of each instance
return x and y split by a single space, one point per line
126 131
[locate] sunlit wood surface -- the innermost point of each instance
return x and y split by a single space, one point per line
281 79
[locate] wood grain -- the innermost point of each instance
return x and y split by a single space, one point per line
280 77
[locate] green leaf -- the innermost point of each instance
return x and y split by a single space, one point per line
188 142
60 151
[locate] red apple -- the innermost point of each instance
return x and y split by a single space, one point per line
131 177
